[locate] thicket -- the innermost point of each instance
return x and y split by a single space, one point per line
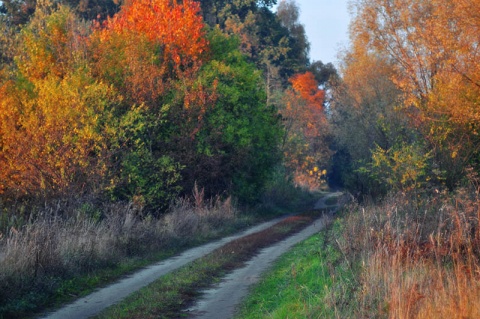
405 110
133 109
411 257
140 102
51 259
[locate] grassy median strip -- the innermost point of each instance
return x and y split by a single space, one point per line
166 297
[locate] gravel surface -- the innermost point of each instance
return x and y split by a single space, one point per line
221 301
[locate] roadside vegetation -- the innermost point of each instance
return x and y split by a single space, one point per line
299 283
404 123
413 256
407 256
53 259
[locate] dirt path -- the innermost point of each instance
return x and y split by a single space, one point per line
99 300
220 302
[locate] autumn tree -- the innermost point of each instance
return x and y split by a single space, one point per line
193 108
50 141
434 47
305 144
365 120
149 44
151 52
139 107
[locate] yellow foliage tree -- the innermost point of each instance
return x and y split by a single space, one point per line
50 140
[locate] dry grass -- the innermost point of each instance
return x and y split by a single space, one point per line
419 257
53 248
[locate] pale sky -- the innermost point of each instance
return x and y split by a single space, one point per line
326 23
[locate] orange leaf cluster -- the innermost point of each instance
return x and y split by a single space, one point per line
177 28
304 122
49 114
149 43
310 109
434 45
306 85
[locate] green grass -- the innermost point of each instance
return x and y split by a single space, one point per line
168 296
300 284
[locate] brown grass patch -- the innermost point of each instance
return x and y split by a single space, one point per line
419 256
40 257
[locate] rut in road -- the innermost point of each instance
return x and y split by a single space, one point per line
221 301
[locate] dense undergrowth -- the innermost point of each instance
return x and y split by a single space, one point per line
416 256
65 251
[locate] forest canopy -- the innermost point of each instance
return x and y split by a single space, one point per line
142 100
411 83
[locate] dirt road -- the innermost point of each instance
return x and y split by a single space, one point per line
102 298
220 302
227 296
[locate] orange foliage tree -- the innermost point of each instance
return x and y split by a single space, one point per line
148 44
151 52
306 85
304 144
434 46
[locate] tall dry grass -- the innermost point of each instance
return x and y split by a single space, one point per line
418 256
50 248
